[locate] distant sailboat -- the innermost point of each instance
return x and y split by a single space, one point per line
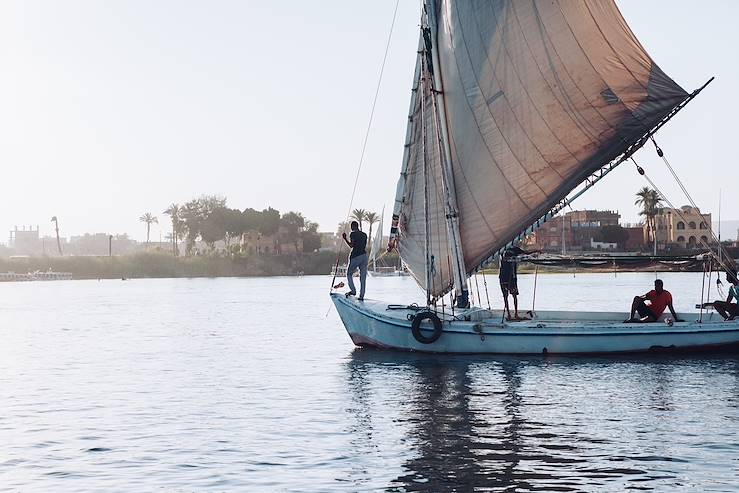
376 270
515 104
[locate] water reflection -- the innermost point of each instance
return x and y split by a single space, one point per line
525 424
462 418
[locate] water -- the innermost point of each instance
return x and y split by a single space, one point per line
245 385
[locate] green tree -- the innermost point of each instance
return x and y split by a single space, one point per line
234 226
173 211
196 220
213 226
251 219
650 201
311 238
371 218
191 223
292 223
148 218
269 221
359 216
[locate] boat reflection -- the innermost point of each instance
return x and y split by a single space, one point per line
470 422
462 418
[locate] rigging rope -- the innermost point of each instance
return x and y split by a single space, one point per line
641 171
366 135
479 300
485 282
533 300
720 249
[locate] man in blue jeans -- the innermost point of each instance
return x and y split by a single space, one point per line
357 259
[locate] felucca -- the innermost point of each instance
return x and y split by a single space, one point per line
515 105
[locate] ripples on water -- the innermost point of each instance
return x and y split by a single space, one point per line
245 385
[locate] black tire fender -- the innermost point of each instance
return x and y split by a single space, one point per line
416 327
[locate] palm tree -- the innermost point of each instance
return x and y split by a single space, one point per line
359 216
649 200
148 219
173 211
371 218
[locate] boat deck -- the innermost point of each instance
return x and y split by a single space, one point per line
478 319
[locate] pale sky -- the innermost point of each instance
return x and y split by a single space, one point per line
112 109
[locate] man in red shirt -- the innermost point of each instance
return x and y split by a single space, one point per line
652 305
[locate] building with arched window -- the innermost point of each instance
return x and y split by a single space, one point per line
681 227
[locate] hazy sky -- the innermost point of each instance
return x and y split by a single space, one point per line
112 109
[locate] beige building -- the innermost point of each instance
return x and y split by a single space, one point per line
685 227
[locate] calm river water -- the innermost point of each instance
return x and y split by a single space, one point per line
247 385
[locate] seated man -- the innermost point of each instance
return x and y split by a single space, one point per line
658 299
727 309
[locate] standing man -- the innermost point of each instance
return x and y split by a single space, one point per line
357 259
508 278
659 299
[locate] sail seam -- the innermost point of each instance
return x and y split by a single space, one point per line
528 95
616 54
566 106
494 161
603 36
487 107
582 123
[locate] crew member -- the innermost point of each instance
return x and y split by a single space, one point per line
508 277
652 305
357 259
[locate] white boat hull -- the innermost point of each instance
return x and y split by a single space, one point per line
371 323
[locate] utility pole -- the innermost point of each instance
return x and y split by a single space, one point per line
110 245
58 241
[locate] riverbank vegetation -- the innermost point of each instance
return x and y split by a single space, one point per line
162 264
207 225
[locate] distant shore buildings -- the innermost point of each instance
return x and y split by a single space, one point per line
686 227
678 230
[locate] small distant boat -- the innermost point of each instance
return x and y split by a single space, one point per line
376 270
389 271
50 275
38 275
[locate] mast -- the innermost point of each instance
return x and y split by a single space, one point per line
452 211
426 240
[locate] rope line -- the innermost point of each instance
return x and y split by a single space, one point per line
720 247
722 263
366 135
485 282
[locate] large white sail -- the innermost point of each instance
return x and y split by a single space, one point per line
424 241
538 95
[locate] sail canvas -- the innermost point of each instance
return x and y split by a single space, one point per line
537 95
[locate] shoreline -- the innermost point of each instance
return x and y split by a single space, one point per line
162 265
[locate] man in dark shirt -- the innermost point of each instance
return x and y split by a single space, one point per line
508 278
357 259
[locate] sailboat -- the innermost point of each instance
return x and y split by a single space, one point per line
376 270
517 108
